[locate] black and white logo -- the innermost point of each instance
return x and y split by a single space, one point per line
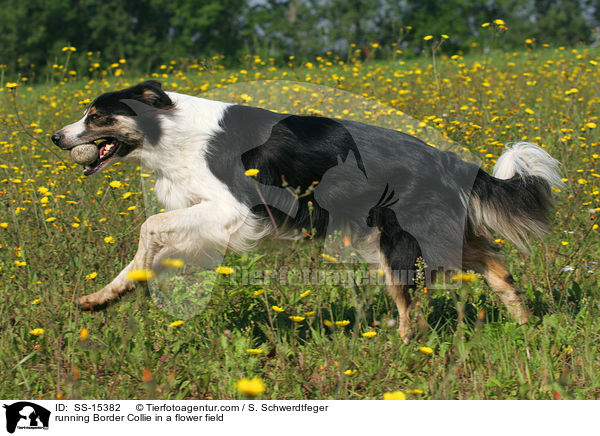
24 415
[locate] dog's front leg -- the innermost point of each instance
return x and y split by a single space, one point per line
197 229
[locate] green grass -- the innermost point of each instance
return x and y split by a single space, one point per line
132 352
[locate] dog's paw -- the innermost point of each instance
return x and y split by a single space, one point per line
406 334
87 304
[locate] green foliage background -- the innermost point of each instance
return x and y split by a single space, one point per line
150 32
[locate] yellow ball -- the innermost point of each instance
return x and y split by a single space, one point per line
84 154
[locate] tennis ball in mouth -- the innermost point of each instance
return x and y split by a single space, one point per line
84 154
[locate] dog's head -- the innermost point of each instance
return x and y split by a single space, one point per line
118 122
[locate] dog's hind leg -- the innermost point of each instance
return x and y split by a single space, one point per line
401 296
478 256
199 230
502 283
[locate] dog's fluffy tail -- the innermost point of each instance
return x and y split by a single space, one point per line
516 200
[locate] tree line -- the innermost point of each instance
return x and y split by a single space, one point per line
148 33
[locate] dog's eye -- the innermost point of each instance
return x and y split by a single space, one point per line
93 117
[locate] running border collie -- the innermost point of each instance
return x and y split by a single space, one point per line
200 149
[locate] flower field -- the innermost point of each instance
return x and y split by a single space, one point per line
63 236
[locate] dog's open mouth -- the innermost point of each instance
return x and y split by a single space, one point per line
107 147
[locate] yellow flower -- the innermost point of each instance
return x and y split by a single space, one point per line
564 243
254 351
414 391
257 293
251 172
20 263
582 181
398 395
591 125
91 276
350 371
485 25
83 334
426 350
11 85
297 318
343 323
277 309
251 387
369 334
109 240
37 332
499 22
36 301
140 275
327 323
4 225
529 111
173 263
328 257
305 294
49 220
176 323
464 277
444 36
115 184
309 313
225 270
428 37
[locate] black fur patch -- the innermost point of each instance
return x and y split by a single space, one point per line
352 163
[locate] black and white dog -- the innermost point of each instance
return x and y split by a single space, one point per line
395 196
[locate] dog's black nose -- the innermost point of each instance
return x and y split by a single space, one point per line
56 138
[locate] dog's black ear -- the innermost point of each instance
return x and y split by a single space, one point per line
151 93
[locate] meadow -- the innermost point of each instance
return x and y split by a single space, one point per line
63 236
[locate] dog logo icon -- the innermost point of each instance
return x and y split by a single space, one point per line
26 415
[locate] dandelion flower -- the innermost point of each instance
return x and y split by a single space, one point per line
297 318
464 277
36 301
225 270
369 335
426 350
251 387
328 257
251 172
343 323
428 37
414 391
398 395
37 332
83 334
254 351
258 292
91 276
173 263
11 85
591 125
140 275
109 240
277 309
350 372
176 323
4 225
305 294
